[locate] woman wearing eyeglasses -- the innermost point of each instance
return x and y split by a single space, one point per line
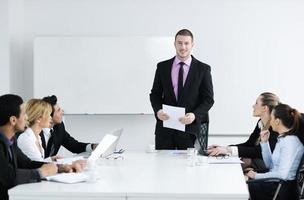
285 159
250 150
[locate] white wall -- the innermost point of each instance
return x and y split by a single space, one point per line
31 18
16 29
4 47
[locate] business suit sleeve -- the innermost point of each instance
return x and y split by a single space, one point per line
250 149
156 92
72 144
205 96
27 171
251 141
24 173
25 162
7 172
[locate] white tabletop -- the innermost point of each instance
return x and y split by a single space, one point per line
140 175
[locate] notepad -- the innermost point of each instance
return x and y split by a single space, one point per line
68 178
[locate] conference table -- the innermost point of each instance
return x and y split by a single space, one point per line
163 175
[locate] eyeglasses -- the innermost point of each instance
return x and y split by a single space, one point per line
114 157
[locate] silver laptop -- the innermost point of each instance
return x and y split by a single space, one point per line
113 146
106 146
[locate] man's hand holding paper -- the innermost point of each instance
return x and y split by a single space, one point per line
175 114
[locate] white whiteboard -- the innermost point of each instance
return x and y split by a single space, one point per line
114 75
99 75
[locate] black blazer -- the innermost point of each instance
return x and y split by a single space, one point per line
197 96
16 171
62 137
250 149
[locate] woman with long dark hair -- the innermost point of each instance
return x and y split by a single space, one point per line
285 159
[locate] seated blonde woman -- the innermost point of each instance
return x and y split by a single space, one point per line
39 117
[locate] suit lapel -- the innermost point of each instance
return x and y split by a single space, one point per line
14 158
42 140
169 80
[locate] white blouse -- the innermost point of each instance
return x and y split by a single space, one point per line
27 142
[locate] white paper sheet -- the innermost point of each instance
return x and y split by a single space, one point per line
224 160
102 147
68 177
174 114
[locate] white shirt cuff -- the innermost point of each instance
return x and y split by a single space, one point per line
234 151
89 148
48 159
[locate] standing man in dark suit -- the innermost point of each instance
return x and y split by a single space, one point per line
182 81
55 137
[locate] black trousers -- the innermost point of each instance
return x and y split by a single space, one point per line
173 139
265 191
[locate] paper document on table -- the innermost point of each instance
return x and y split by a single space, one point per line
68 178
224 160
174 114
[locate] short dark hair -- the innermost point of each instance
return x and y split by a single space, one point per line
9 106
184 32
51 100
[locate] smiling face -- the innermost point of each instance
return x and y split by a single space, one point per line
183 46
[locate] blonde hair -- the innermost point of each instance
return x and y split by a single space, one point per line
36 108
271 101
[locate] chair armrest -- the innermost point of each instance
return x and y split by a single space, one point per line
265 180
261 170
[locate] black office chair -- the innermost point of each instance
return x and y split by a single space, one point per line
202 138
280 182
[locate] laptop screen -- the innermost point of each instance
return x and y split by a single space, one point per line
106 146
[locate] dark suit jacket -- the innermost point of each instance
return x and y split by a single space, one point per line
197 96
62 137
16 171
249 149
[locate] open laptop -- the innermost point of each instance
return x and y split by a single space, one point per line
106 146
113 146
